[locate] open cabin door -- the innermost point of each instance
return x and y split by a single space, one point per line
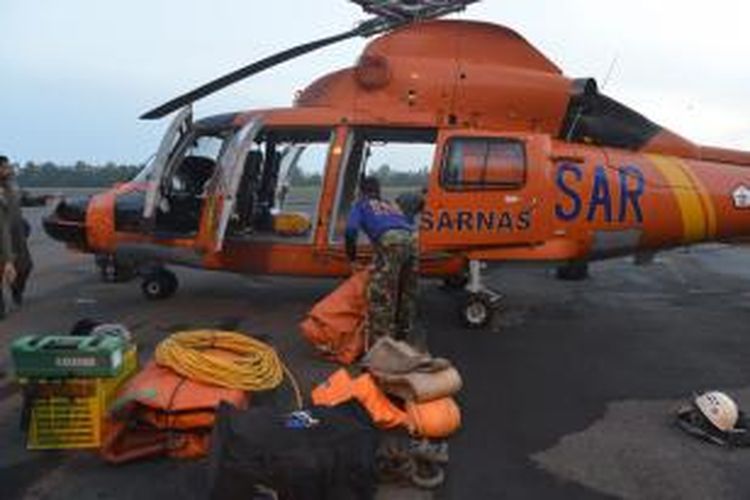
179 127
487 191
223 196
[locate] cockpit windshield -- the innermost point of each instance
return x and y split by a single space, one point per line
146 173
206 146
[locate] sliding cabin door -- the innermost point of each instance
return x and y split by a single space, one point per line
226 184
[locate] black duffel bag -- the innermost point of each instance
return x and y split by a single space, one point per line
328 454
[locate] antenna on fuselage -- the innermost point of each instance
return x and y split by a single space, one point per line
582 88
587 86
611 70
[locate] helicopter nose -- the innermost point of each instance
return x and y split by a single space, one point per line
67 222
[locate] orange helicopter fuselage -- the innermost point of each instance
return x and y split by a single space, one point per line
529 165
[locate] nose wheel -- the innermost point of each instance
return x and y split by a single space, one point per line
482 302
159 284
478 310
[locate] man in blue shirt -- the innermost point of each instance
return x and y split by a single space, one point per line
393 283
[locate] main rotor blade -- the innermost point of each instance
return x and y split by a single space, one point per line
256 67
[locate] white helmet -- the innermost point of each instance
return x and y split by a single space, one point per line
719 409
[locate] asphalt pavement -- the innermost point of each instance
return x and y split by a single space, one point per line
568 394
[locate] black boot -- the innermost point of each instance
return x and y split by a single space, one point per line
17 296
18 287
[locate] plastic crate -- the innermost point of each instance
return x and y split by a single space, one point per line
61 356
70 413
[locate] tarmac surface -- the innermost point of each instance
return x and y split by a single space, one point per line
569 394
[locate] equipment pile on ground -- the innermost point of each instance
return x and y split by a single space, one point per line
170 407
385 423
404 389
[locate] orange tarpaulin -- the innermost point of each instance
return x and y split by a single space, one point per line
162 413
335 325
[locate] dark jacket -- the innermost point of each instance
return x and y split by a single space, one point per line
6 241
13 227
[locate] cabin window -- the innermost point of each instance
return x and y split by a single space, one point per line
281 185
479 163
399 158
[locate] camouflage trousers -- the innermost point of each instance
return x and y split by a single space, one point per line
392 291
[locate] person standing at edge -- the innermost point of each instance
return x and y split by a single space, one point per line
393 283
14 231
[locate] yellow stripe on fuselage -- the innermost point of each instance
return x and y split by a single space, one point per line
687 196
708 205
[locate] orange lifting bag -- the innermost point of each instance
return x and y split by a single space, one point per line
162 413
335 325
436 419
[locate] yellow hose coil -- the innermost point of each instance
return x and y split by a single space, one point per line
256 367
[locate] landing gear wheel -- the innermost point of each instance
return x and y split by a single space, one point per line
159 285
477 311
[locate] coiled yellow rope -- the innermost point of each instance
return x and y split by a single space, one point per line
256 366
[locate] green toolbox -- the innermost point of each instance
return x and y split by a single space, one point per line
56 356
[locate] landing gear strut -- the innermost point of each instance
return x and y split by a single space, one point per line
159 284
482 302
114 270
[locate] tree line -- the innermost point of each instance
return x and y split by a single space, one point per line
81 174
85 175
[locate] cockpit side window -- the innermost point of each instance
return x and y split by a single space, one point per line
189 175
206 146
198 164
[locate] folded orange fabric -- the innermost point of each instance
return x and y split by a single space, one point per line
340 387
160 412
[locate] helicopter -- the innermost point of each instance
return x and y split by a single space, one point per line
526 165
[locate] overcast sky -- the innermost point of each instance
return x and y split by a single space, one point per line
76 74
